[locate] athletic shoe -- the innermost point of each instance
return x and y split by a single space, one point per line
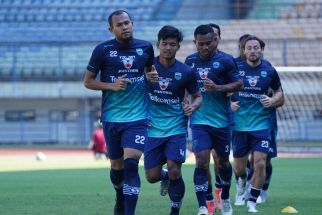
240 192
202 211
164 185
211 205
262 198
226 207
251 207
119 207
218 198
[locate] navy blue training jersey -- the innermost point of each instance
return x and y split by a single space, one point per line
251 115
221 69
113 60
166 114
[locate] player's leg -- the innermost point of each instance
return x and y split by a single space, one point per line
209 196
218 189
201 146
176 155
260 147
115 153
133 140
154 159
240 152
269 168
222 146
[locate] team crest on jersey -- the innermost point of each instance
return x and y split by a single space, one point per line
139 51
203 72
252 80
163 83
242 73
192 65
177 75
127 61
264 74
215 65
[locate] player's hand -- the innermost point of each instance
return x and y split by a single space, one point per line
152 75
234 106
186 107
210 85
121 83
266 101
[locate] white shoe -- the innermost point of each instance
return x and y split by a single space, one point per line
251 207
240 192
226 208
262 198
202 211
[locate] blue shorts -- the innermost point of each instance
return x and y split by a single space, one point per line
119 135
272 145
206 137
158 150
245 141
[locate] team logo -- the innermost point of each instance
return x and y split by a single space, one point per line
242 73
263 74
139 51
127 61
192 65
177 75
216 65
163 83
203 72
252 80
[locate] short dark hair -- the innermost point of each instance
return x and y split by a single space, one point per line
117 12
169 31
251 37
243 37
213 25
203 29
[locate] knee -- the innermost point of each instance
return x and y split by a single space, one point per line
151 178
174 173
239 168
202 162
224 163
259 165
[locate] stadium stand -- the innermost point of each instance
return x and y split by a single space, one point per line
46 44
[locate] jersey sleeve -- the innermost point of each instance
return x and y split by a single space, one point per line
276 82
150 60
95 62
233 74
192 84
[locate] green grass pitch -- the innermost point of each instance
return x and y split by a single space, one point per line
296 182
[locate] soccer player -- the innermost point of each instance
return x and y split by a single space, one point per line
123 63
168 115
273 147
252 118
217 74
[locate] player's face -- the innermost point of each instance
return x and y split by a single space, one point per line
206 44
253 51
168 48
122 27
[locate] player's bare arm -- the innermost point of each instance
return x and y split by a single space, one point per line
276 100
231 87
90 83
196 102
151 74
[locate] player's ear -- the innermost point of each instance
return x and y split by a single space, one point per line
194 41
157 44
110 29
